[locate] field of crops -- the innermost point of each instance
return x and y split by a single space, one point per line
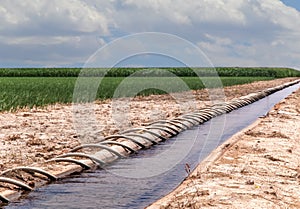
123 72
16 92
29 87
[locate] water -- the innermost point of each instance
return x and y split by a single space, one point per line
138 181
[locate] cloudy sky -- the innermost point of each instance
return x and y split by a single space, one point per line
43 33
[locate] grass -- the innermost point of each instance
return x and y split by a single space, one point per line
19 92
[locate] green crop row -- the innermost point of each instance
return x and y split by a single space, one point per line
19 92
150 72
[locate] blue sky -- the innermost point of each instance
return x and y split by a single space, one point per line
41 33
292 3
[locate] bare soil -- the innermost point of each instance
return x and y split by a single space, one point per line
260 170
31 136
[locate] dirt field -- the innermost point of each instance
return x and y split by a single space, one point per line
33 136
259 168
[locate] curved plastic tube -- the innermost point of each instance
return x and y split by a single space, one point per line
142 136
33 170
230 107
180 122
177 124
77 154
224 109
190 121
237 104
242 103
219 110
126 137
70 160
207 114
171 123
233 105
246 100
119 144
98 146
16 183
194 118
162 126
207 110
212 112
144 130
4 199
161 129
202 116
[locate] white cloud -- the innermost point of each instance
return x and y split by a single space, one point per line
230 32
60 15
191 11
40 40
56 31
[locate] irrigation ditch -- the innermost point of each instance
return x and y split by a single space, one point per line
21 180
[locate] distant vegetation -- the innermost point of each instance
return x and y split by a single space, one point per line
124 72
29 87
18 92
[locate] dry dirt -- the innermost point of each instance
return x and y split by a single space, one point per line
28 137
260 170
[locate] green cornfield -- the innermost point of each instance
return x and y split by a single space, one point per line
124 72
19 92
33 87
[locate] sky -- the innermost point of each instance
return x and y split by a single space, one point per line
67 33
